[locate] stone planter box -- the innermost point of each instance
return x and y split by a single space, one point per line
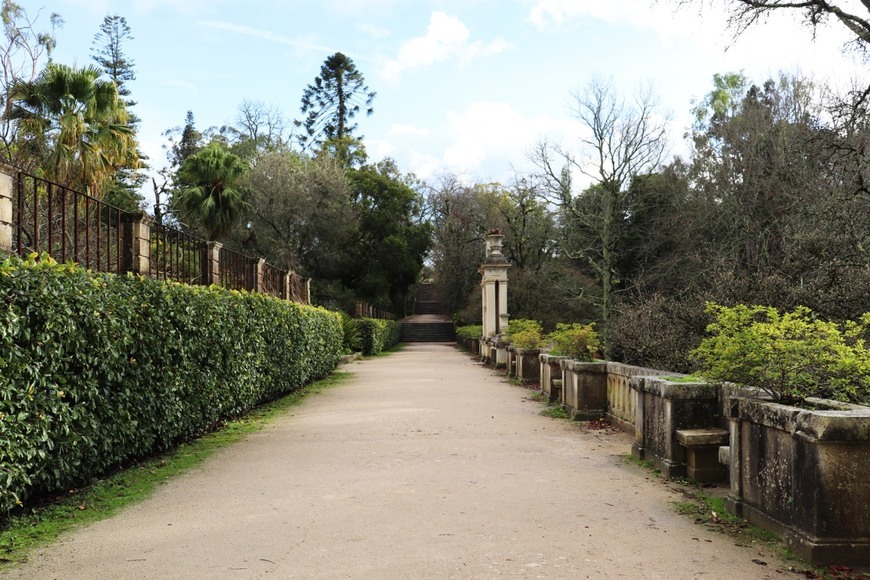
805 475
550 374
664 407
528 364
584 388
494 352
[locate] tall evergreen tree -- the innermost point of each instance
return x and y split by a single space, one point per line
331 103
108 53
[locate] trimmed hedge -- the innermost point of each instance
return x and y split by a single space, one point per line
97 370
473 331
377 335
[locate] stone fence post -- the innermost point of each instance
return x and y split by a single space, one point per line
136 253
7 188
259 274
211 263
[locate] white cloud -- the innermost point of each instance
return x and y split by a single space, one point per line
493 134
400 130
446 38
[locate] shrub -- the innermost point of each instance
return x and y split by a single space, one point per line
523 333
575 340
352 341
97 370
790 355
659 331
471 331
377 335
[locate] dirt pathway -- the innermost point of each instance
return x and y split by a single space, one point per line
424 465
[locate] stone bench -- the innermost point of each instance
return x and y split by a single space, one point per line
702 453
555 390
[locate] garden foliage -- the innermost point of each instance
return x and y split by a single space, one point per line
789 355
377 335
524 333
575 340
473 331
98 370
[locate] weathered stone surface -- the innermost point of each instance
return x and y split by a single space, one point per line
695 437
550 370
528 369
804 475
664 407
584 389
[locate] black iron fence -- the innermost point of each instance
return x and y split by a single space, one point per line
39 216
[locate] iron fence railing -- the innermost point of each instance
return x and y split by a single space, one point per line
238 272
72 226
273 281
176 255
66 224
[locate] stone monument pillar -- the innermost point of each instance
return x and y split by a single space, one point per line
494 292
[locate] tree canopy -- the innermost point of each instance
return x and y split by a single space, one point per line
331 103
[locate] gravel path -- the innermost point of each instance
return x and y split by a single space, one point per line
424 465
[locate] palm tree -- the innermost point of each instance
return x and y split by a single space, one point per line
208 195
74 123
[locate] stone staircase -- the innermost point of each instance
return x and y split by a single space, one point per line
427 331
427 324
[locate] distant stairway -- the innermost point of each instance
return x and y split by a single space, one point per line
427 307
427 332
427 324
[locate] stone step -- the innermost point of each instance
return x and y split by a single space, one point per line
427 332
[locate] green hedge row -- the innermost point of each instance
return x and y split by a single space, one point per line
473 331
97 370
377 335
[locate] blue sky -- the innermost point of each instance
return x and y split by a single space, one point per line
466 87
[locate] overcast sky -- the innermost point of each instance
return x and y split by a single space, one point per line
463 86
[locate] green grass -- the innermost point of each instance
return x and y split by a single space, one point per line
686 379
40 525
556 411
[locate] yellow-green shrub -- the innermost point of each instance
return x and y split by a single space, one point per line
575 340
524 333
471 331
789 355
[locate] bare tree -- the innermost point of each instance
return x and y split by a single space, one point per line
623 140
23 49
262 125
854 16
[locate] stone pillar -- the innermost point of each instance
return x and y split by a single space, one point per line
7 188
137 243
211 263
259 275
287 293
494 286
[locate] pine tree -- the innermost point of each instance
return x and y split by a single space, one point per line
331 104
108 53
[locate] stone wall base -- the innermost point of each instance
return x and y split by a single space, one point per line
855 551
